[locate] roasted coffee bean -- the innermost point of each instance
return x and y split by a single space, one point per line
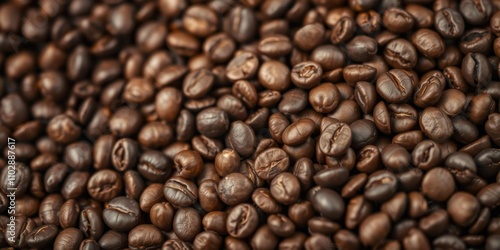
215 221
428 42
241 138
449 23
61 129
395 157
436 124
462 166
359 72
274 75
91 223
281 225
186 110
212 122
69 238
42 236
381 186
113 240
329 57
180 192
361 48
364 132
476 13
463 208
125 154
144 237
263 200
235 188
242 67
309 37
306 75
122 214
324 98
335 139
429 89
374 229
271 162
104 185
400 53
395 86
242 221
331 210
487 195
68 215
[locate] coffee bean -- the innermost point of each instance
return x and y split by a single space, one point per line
435 223
242 221
145 236
394 86
104 185
462 166
91 223
242 67
381 186
113 239
235 188
397 20
263 200
436 124
122 214
212 122
42 236
331 210
428 42
361 48
153 166
270 163
306 75
374 228
474 14
274 75
449 23
180 192
395 157
463 208
69 238
335 139
280 225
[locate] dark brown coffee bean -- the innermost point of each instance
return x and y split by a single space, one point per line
242 221
270 163
333 209
309 37
335 139
436 124
168 103
361 48
180 192
395 86
212 122
374 229
463 208
242 67
306 75
449 23
104 185
397 20
476 13
428 42
274 75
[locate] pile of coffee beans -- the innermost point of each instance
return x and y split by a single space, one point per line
250 124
